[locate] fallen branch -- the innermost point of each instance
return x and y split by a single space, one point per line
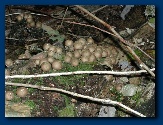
141 64
77 73
103 101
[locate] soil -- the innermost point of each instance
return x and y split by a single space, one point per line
50 103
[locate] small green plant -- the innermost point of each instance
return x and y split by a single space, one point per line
31 104
69 110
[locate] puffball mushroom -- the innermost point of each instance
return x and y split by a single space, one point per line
57 65
32 24
50 59
22 91
84 59
78 45
7 72
37 62
59 50
77 54
90 40
98 54
52 48
68 43
43 60
9 95
67 59
74 62
29 20
69 54
38 25
9 62
86 53
45 66
46 46
92 58
51 53
82 41
104 53
19 18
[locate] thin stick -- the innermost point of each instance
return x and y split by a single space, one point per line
79 72
103 101
141 64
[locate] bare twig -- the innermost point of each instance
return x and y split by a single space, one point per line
103 101
141 64
78 72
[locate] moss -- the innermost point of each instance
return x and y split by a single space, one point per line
31 104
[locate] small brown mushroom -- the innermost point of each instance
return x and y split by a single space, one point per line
22 91
51 53
19 18
46 46
68 43
9 95
98 54
38 25
84 59
86 53
52 48
90 40
50 59
9 62
78 45
92 58
43 60
82 41
32 24
77 54
67 59
45 66
74 62
7 72
57 65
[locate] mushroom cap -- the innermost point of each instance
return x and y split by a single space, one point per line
82 41
38 25
22 91
74 62
9 62
7 72
77 54
67 59
46 46
29 20
86 53
57 65
84 59
9 95
69 43
78 45
59 50
52 48
98 54
43 60
45 66
32 24
104 53
92 58
50 59
51 53
69 54
19 17
90 40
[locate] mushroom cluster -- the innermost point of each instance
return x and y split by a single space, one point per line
51 60
29 19
86 51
